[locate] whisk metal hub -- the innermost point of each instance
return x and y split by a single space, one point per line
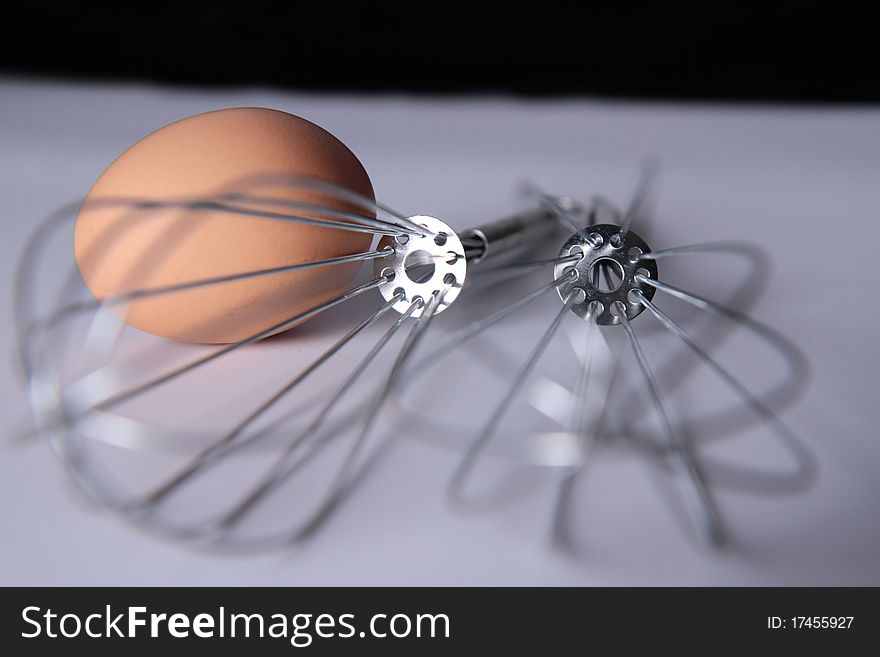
604 245
423 266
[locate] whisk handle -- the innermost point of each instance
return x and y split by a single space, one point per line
507 235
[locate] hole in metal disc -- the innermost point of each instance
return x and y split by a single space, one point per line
607 274
579 295
419 266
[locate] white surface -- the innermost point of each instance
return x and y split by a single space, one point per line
805 180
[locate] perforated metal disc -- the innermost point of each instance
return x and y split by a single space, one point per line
625 253
441 247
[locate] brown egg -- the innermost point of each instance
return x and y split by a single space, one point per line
121 246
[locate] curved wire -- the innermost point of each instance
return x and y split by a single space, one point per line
455 490
284 467
342 481
124 395
126 297
229 443
343 193
807 466
705 513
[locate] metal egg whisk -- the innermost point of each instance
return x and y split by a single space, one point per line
86 382
420 266
608 276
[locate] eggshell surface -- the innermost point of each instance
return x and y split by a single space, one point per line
176 208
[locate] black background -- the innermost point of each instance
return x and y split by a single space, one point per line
777 52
